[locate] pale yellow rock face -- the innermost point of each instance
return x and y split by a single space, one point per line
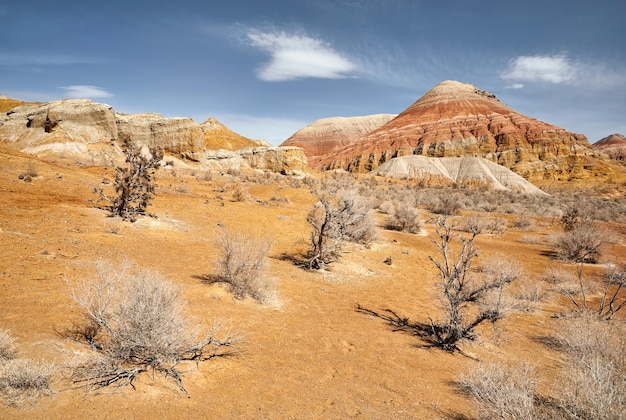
285 160
321 139
459 119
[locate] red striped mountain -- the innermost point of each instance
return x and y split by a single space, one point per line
613 145
459 119
321 139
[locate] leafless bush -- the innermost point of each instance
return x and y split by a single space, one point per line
135 322
593 384
340 215
501 391
21 380
578 287
405 217
241 264
583 243
467 299
134 183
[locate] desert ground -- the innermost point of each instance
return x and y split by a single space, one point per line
308 352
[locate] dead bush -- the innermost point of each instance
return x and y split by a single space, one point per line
135 322
467 299
21 380
340 215
134 183
583 243
241 264
593 377
24 380
502 391
405 217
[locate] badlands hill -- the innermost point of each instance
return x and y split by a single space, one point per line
459 119
91 133
474 171
614 146
321 139
218 136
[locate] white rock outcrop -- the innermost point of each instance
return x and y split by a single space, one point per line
461 170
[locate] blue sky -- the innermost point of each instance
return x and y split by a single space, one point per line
268 68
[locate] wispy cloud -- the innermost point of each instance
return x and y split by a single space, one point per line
27 59
299 56
557 69
86 91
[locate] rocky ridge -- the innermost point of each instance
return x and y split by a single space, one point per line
475 171
614 146
322 138
89 132
218 136
459 119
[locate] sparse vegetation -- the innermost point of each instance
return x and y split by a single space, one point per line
582 243
241 264
502 391
405 218
135 322
21 380
340 215
134 183
467 301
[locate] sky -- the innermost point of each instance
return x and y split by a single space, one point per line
268 68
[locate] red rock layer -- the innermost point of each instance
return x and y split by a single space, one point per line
459 119
321 139
614 146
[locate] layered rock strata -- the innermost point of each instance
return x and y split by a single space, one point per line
321 139
614 146
459 119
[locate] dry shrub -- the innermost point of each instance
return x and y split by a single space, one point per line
502 391
242 262
583 243
467 299
240 193
340 215
135 321
7 345
21 380
405 217
593 384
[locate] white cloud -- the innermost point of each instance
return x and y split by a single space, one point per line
542 68
515 86
86 91
298 56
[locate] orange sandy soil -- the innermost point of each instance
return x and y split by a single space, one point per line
309 354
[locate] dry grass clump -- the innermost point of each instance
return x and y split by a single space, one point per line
242 262
593 384
135 322
502 391
21 380
241 194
